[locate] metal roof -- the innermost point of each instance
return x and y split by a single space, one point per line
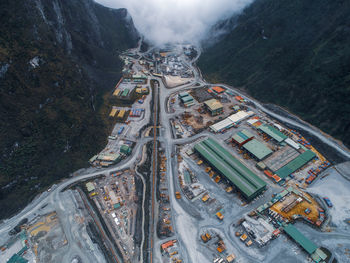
230 167
90 186
296 164
241 115
273 132
298 237
108 157
125 149
183 94
258 149
125 93
187 98
213 104
242 136
221 125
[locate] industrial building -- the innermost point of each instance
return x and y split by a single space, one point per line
121 114
218 89
240 116
296 164
186 99
231 121
298 237
281 158
242 137
257 149
222 125
125 93
273 133
214 106
90 187
316 253
125 149
142 90
116 92
113 112
115 157
248 183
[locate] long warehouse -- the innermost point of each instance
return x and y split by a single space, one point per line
248 183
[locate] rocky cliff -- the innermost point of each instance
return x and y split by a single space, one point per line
57 59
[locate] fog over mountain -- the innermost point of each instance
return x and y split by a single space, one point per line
163 21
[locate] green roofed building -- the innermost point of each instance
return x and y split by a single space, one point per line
257 149
248 183
90 187
296 164
273 133
302 240
17 259
242 137
125 149
125 93
183 94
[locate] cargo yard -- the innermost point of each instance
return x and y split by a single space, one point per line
224 180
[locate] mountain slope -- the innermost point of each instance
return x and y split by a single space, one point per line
57 59
292 53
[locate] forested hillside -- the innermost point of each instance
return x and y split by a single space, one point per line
57 59
292 53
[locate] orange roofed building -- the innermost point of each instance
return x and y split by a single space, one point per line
218 90
168 244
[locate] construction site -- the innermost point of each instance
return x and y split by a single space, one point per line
116 200
170 252
164 224
191 172
175 72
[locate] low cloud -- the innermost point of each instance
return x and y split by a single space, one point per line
177 21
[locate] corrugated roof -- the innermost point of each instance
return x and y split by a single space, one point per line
183 94
116 92
221 125
242 136
230 167
298 237
90 186
296 164
187 98
258 149
125 93
108 157
17 259
241 115
213 104
113 112
218 89
273 132
125 149
121 114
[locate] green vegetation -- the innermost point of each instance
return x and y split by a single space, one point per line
53 115
292 53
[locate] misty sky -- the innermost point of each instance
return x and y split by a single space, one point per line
163 21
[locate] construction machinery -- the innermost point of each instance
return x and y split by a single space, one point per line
220 215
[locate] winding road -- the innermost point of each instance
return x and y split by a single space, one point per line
53 196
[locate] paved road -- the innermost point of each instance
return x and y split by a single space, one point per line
165 137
